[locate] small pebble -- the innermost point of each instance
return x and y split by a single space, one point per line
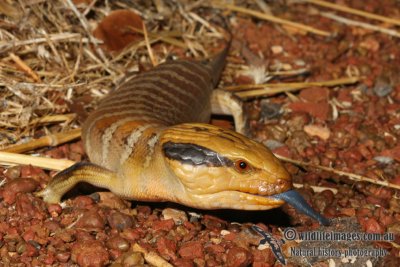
238 257
119 243
273 144
382 87
270 110
191 250
89 253
21 247
276 49
83 202
320 131
24 185
225 232
167 248
120 221
91 220
29 207
63 256
110 200
13 172
177 215
131 258
383 159
165 225
54 210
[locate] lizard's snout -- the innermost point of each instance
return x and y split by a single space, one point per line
271 189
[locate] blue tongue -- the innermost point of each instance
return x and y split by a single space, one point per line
298 202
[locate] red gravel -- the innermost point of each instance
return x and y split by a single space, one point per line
350 128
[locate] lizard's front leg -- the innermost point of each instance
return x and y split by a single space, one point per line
79 172
226 103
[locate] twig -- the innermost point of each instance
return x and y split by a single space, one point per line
351 176
394 244
53 118
354 11
89 53
163 36
273 89
203 22
263 6
70 37
24 67
289 72
148 46
151 257
272 18
48 140
54 49
89 7
317 189
360 24
78 61
85 26
7 158
299 85
48 85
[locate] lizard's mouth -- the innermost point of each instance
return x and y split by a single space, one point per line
293 198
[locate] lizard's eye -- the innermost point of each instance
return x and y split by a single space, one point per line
242 166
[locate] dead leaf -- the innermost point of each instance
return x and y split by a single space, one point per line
82 2
115 30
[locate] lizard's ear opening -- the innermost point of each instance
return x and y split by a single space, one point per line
193 154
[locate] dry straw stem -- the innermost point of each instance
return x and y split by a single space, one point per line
151 257
317 189
351 176
86 27
148 46
354 11
394 244
271 18
7 158
48 140
360 24
335 82
57 37
21 64
167 37
277 88
289 72
52 119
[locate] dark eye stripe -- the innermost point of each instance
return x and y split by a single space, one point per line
194 155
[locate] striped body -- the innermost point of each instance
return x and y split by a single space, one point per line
148 140
129 120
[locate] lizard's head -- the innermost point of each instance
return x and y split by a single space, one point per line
219 168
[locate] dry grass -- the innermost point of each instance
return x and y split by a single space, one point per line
49 57
257 90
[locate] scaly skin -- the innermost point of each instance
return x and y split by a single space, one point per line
209 187
198 186
148 141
